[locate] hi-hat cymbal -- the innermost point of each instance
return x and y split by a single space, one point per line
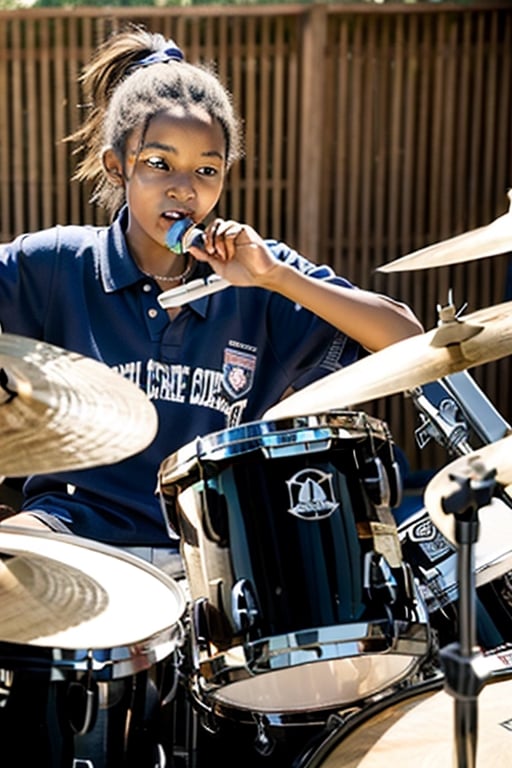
490 240
496 517
40 596
68 592
456 345
60 410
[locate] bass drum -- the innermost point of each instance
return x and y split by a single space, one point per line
89 641
416 728
301 601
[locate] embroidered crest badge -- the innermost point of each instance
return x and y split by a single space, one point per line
238 372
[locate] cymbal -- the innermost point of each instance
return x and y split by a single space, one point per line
456 345
491 240
68 592
496 517
60 410
40 596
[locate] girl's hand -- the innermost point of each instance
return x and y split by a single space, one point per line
236 252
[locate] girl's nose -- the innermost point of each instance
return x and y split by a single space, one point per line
181 186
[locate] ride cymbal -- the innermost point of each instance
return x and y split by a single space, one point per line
496 517
490 240
456 345
60 410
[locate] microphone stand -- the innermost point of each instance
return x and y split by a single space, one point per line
461 661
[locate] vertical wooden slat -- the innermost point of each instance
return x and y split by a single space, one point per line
277 130
18 129
354 148
449 129
411 287
475 121
223 45
490 104
61 171
437 194
409 138
47 136
396 101
460 167
235 195
380 150
32 136
290 197
264 100
502 173
311 122
341 191
367 160
5 149
74 108
89 42
420 234
251 117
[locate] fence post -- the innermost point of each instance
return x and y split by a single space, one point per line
312 73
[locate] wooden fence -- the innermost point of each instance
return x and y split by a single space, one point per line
371 131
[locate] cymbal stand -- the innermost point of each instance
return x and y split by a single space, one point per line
461 661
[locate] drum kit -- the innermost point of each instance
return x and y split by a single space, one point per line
308 609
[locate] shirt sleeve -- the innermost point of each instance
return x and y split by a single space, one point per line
307 347
27 267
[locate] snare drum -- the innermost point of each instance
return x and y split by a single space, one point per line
433 560
88 640
415 727
301 600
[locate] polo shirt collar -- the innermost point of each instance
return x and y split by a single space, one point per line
117 267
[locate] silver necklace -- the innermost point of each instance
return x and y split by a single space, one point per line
172 278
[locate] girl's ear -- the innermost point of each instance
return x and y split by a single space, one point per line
112 166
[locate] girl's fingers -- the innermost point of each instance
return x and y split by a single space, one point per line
223 238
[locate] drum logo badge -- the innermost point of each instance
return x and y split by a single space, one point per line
430 540
311 494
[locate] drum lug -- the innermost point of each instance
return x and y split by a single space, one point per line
200 623
207 718
82 700
378 578
6 682
376 482
209 624
244 610
263 743
396 483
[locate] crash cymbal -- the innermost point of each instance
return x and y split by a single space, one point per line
490 240
456 345
60 410
496 517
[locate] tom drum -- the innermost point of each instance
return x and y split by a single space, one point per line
301 599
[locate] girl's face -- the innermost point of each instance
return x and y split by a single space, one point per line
178 170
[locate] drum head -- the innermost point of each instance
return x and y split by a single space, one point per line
419 731
64 592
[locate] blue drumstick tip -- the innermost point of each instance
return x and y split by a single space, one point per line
175 233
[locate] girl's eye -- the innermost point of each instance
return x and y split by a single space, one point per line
156 162
207 171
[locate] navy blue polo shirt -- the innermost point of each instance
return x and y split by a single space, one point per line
222 361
